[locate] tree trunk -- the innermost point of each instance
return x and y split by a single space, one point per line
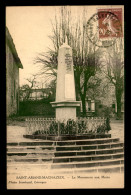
118 102
83 105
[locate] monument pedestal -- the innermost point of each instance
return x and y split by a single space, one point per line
66 109
65 103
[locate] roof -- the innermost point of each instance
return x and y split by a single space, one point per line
10 43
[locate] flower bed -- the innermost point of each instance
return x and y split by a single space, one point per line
82 126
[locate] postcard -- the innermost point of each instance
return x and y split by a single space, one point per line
65 97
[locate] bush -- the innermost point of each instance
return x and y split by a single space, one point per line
107 112
108 127
104 127
38 132
36 108
70 128
101 129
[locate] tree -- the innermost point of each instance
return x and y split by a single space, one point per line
51 90
25 90
84 52
83 77
94 87
115 71
32 80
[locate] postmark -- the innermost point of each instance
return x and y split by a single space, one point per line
104 27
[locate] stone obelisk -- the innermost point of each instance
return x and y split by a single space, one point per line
65 103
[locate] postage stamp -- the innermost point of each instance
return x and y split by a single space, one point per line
110 22
104 27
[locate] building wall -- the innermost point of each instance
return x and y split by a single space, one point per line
12 84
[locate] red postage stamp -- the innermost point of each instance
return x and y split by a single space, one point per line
110 22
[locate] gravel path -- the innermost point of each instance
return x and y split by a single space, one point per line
117 130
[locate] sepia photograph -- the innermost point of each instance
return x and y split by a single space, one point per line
65 97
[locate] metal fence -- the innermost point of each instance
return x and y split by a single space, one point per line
50 126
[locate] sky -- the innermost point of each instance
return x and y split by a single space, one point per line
30 27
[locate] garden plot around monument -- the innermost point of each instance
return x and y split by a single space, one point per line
17 166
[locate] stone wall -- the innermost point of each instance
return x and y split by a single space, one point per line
36 108
12 84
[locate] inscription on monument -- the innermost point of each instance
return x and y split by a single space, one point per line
68 61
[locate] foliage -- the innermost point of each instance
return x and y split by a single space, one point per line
25 90
101 128
52 87
72 127
105 127
108 127
36 108
68 128
85 57
107 112
94 87
115 71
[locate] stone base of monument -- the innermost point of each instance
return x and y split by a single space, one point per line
68 137
65 110
84 154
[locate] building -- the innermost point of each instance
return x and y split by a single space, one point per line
90 107
35 94
13 64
